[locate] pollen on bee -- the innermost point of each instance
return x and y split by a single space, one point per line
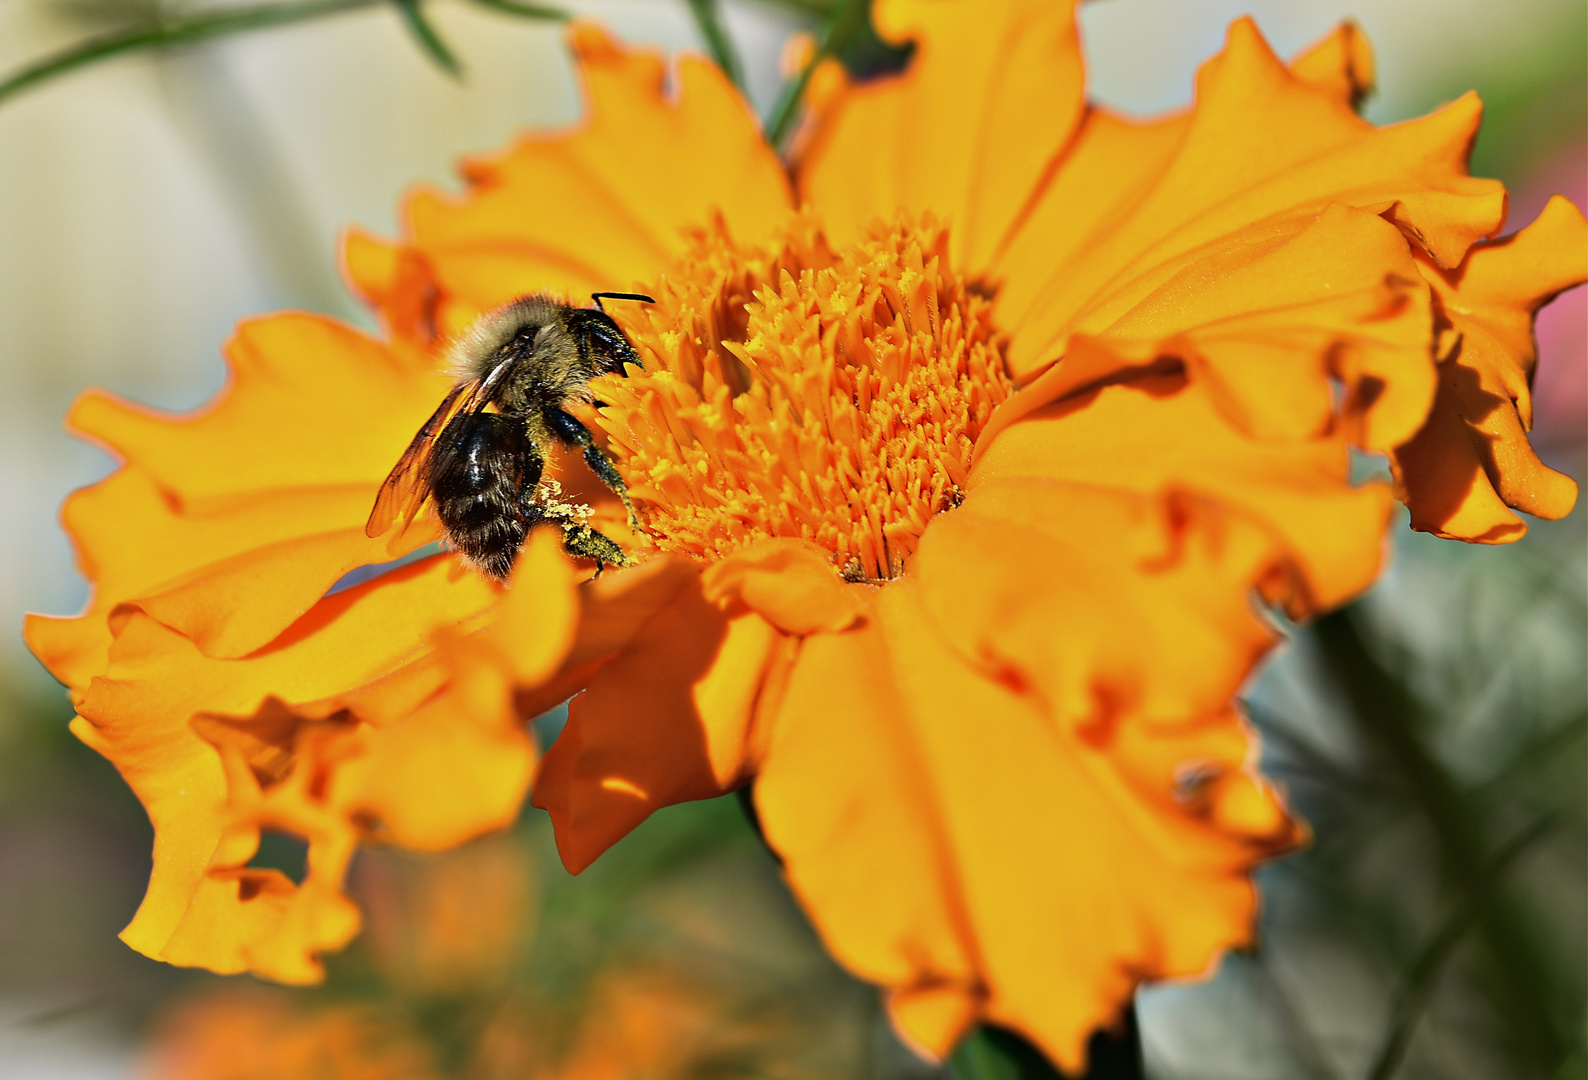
795 390
548 495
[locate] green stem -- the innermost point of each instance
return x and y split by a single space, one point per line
175 32
842 24
812 7
214 24
1387 711
524 11
708 16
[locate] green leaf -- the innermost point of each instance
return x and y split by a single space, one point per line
1423 975
994 1053
1575 1067
1389 714
428 38
989 1054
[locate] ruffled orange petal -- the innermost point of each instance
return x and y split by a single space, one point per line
310 403
992 95
679 713
230 524
790 583
133 541
1154 624
237 605
139 713
1114 163
244 919
1109 168
397 281
608 612
466 749
1473 460
1260 144
951 852
667 720
599 207
1274 320
1164 436
331 773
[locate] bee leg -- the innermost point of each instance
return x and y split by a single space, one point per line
584 542
570 431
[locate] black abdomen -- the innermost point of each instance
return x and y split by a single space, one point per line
483 492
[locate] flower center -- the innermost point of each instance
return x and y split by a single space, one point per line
791 390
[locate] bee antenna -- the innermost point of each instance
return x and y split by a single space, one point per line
641 297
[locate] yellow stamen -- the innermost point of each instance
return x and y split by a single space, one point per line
793 391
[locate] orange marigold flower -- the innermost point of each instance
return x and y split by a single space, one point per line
963 444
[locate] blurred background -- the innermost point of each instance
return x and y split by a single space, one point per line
1433 734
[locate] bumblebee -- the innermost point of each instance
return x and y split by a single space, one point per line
480 456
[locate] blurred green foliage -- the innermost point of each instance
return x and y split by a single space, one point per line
1434 737
130 26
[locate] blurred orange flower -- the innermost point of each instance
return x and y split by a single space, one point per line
451 923
963 445
637 1023
251 1035
631 1023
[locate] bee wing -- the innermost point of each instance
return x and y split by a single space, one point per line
403 492
407 486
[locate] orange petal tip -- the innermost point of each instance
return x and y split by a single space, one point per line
798 51
539 617
790 583
1341 64
932 1019
1244 807
369 263
590 41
